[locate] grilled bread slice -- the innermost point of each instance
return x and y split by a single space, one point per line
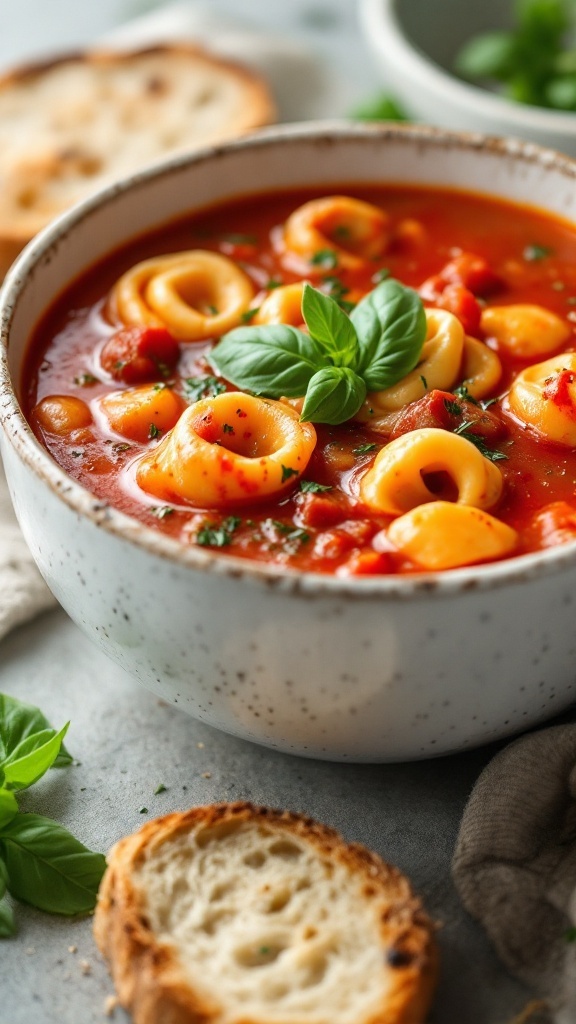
236 914
72 125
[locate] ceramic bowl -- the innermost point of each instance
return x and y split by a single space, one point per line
369 669
415 42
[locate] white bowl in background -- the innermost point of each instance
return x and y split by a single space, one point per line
366 669
415 42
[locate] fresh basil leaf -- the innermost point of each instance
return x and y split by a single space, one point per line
334 395
391 326
32 758
7 923
48 868
17 722
330 327
8 810
272 360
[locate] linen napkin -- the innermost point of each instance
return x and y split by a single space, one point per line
515 862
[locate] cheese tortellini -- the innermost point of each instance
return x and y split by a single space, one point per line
443 535
195 294
544 397
228 450
525 330
397 480
353 230
282 306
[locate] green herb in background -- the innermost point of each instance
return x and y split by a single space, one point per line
381 107
535 62
40 862
340 359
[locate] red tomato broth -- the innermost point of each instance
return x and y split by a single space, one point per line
327 531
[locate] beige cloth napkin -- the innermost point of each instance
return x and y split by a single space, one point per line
515 862
23 593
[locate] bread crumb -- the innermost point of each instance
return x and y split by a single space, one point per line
200 746
72 949
30 951
206 775
85 967
110 1004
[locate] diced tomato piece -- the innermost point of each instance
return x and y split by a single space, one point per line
135 355
473 272
554 524
368 563
557 390
321 510
431 289
447 412
460 301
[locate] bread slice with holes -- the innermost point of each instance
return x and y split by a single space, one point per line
236 914
72 125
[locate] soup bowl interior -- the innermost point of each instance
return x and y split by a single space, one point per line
375 669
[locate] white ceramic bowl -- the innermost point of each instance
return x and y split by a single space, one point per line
365 668
414 43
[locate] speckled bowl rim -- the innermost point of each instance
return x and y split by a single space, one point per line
381 22
18 433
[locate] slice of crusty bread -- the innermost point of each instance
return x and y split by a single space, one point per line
71 125
235 914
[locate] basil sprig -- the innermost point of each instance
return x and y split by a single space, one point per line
338 361
40 862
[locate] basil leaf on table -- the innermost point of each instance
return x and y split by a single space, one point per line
391 326
8 807
32 758
330 327
18 721
7 923
334 395
273 360
48 868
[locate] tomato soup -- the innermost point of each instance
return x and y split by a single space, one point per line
373 381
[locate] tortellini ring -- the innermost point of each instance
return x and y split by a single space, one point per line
481 368
282 306
229 450
544 397
355 231
397 480
442 535
439 367
195 294
525 330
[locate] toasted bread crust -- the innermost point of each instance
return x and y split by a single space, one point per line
57 157
148 977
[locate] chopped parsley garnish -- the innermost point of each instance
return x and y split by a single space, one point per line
161 511
489 453
336 290
121 446
288 472
452 407
342 231
534 253
362 449
272 283
248 314
424 382
325 258
196 388
311 487
462 392
84 380
227 428
160 387
154 432
218 535
160 788
380 275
